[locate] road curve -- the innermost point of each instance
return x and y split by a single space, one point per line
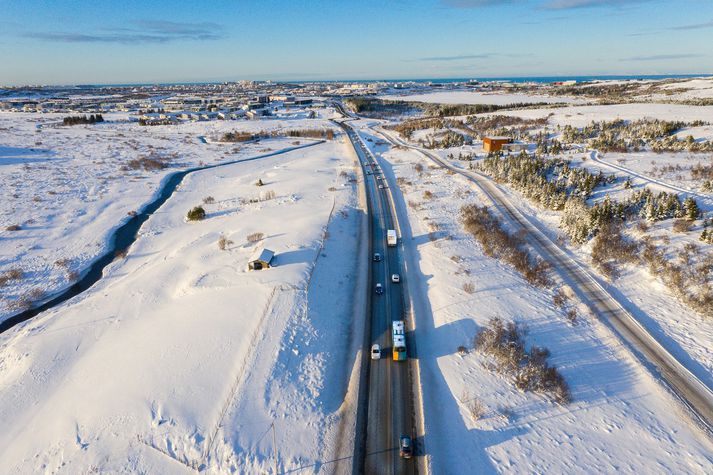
684 385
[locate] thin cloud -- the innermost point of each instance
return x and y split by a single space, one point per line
694 26
572 4
461 57
146 31
476 3
548 5
456 58
661 57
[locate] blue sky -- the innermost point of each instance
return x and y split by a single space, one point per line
100 41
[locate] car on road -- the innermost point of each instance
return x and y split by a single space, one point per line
379 289
405 447
377 257
395 278
381 187
375 351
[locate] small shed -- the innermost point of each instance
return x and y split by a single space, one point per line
261 259
495 143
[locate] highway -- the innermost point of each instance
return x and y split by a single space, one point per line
683 384
385 396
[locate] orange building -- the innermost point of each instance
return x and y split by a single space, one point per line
495 144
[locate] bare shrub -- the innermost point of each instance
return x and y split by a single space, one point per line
11 274
642 225
427 195
419 168
682 225
149 163
223 243
259 182
255 237
498 243
462 350
331 188
64 262
611 246
572 316
476 408
13 227
120 254
15 274
468 288
528 370
559 298
73 276
36 294
21 304
208 200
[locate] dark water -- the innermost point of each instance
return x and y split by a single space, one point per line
124 236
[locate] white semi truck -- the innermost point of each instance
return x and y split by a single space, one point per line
391 237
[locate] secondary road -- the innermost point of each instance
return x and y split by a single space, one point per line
691 391
385 400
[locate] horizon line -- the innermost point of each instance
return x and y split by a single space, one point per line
558 77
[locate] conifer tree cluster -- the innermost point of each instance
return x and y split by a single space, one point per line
82 119
556 185
624 136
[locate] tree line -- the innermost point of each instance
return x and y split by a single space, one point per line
82 119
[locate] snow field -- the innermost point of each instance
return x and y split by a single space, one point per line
180 359
67 187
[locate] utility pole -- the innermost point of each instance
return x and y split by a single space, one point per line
274 446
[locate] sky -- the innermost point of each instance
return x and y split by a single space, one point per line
138 41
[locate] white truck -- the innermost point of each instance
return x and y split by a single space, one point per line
391 237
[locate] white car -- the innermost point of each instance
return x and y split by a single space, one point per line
395 278
375 351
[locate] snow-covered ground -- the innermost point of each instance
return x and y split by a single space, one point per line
478 97
620 419
179 358
67 188
579 116
691 89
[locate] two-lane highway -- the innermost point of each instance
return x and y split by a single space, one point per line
386 399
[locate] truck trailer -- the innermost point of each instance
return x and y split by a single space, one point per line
391 237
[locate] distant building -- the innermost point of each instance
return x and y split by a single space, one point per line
495 143
261 259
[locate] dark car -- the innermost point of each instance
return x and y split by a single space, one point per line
379 289
377 257
405 447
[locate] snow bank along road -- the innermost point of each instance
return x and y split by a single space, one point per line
386 400
687 388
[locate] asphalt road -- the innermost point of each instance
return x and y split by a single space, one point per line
386 398
684 385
